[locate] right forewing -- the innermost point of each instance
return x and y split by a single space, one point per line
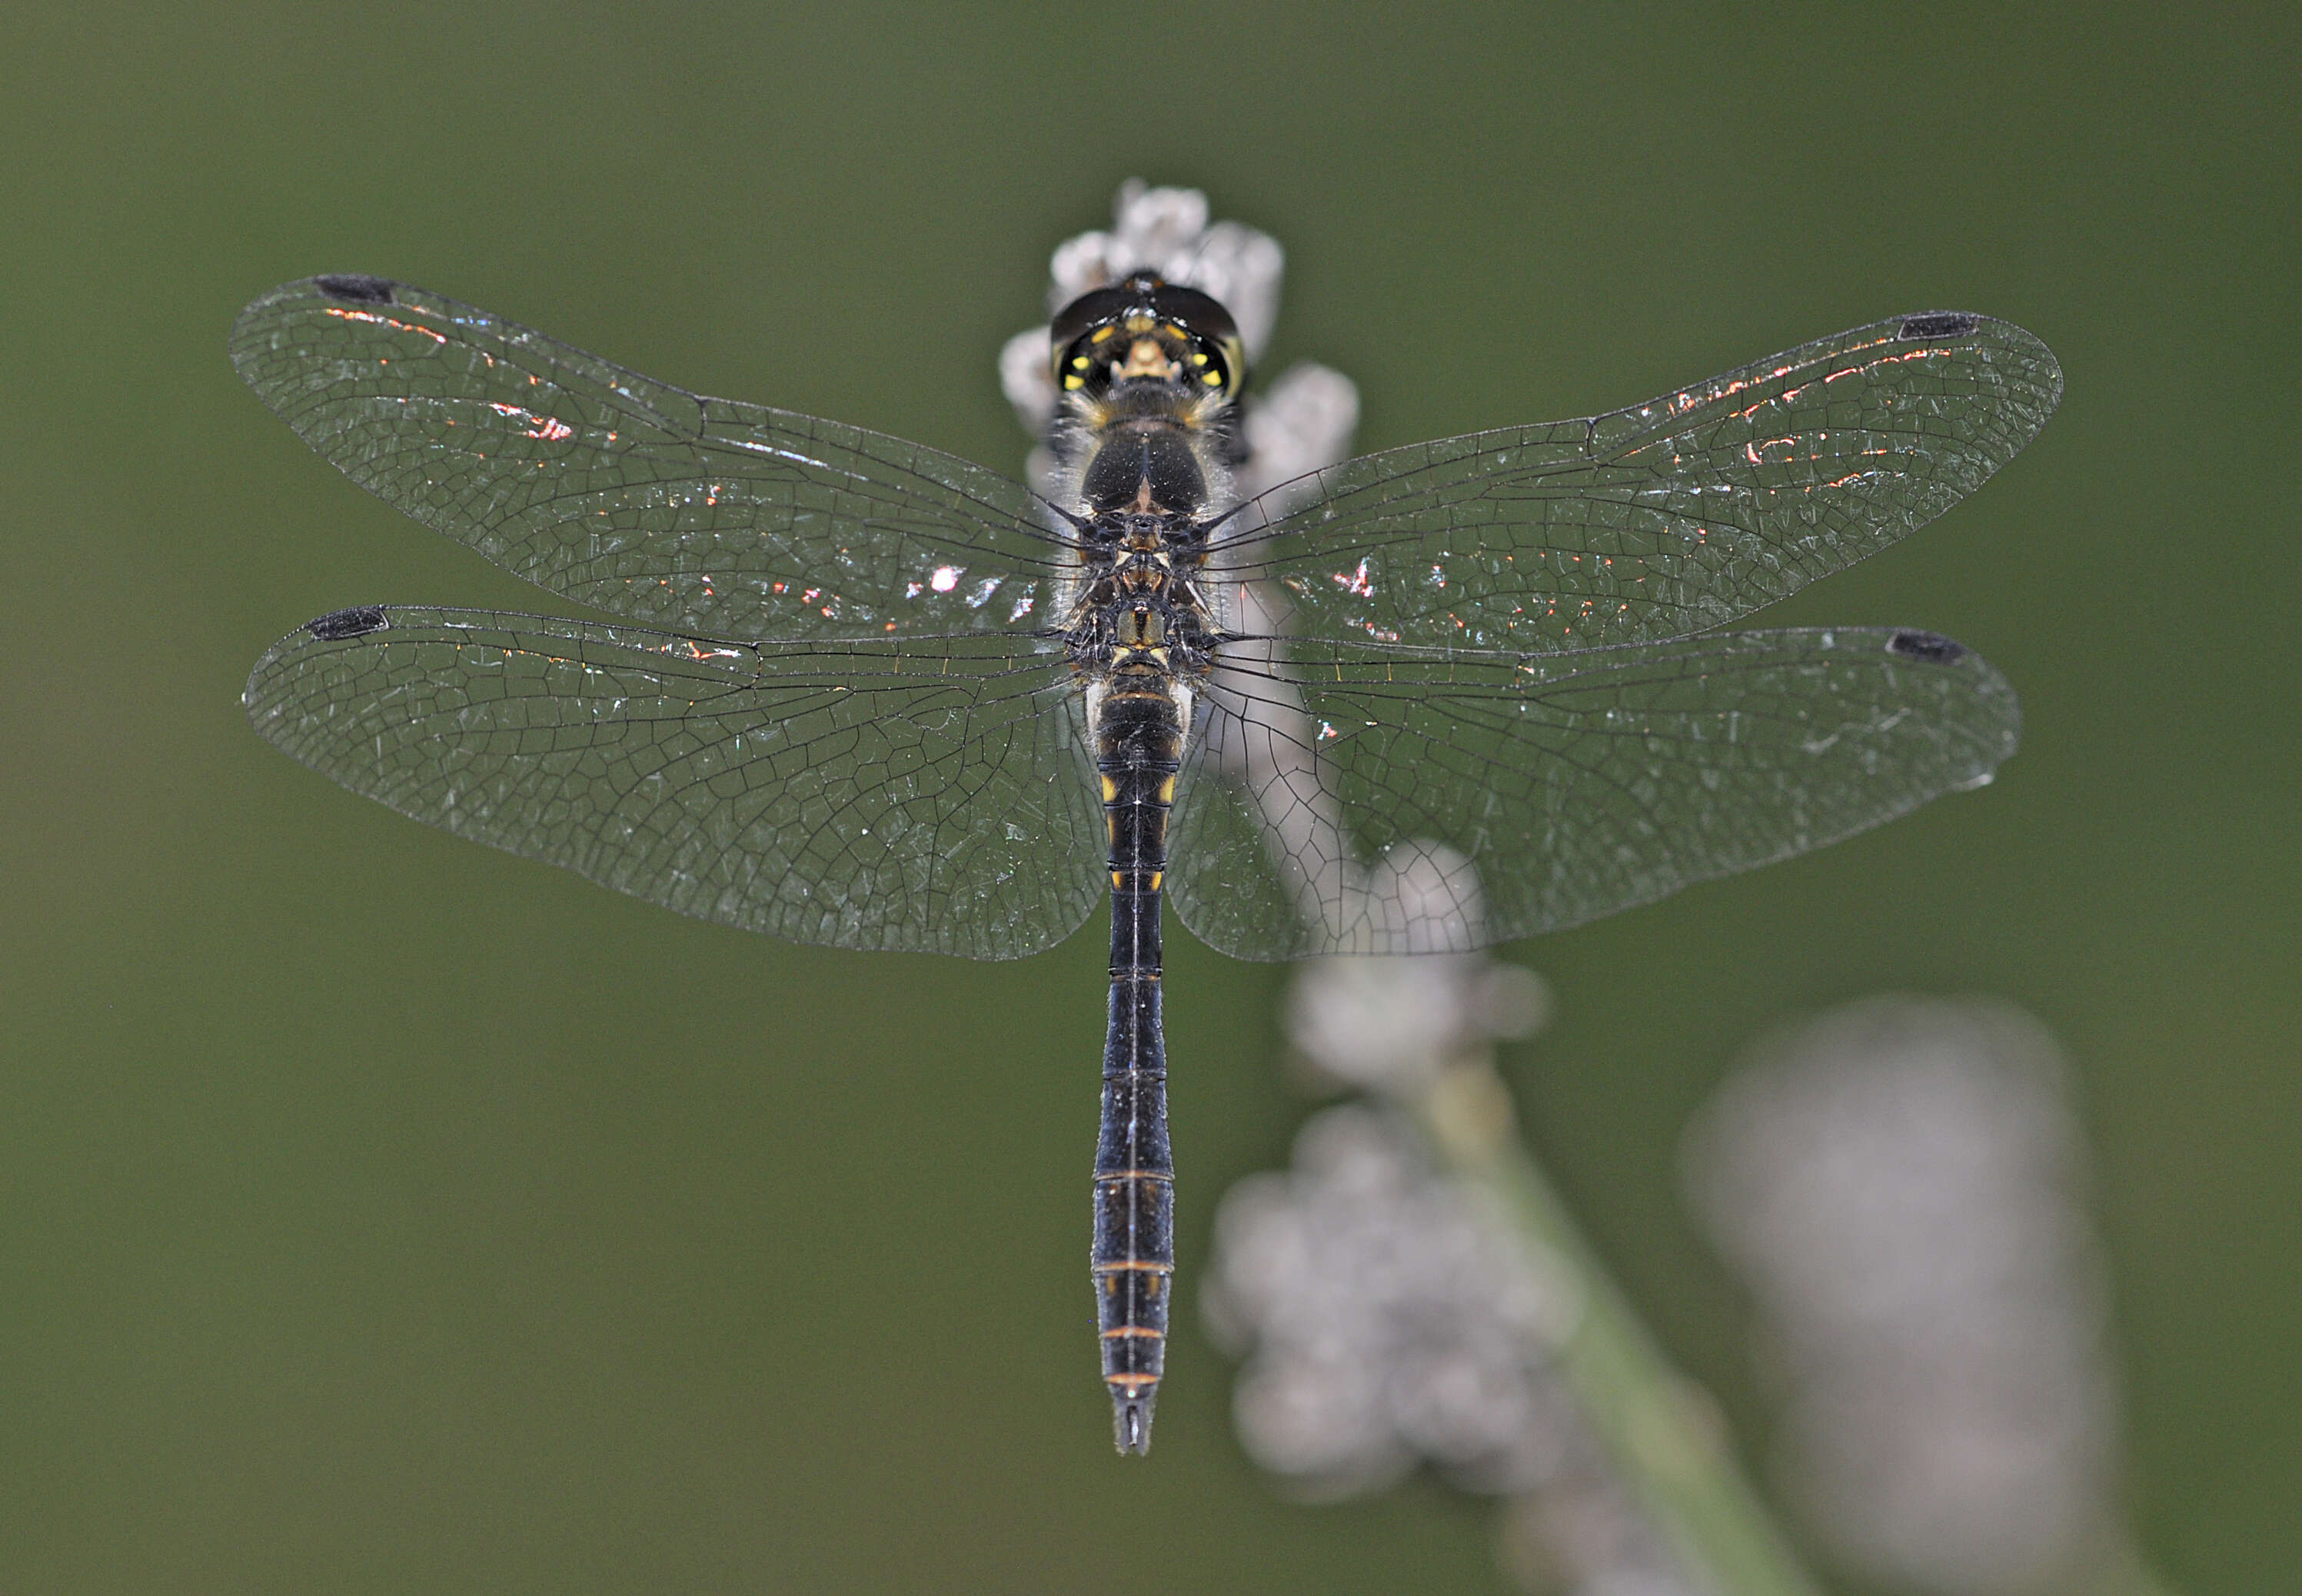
1659 521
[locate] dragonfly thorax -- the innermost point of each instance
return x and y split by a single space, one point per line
1141 620
1144 446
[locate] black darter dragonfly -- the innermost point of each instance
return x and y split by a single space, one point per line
862 693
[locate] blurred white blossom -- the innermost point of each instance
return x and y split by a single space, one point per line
1385 1318
1027 377
1900 1183
1299 423
1388 1319
1392 1024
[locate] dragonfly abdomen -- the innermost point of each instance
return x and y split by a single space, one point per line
1138 749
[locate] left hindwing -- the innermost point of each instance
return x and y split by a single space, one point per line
890 795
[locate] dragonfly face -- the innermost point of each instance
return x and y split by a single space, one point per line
856 693
1147 330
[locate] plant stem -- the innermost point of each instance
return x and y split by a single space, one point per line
1659 1428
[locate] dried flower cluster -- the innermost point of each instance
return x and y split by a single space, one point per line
1388 1319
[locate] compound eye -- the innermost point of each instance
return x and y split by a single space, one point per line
1208 367
1076 363
1203 313
1074 321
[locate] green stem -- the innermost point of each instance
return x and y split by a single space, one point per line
1658 1427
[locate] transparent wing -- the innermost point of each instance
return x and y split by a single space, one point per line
1663 520
883 794
637 497
1350 804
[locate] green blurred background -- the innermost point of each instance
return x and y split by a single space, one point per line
381 1213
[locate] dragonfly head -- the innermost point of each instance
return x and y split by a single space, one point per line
1147 330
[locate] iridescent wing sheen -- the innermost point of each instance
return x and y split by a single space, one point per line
887 794
1357 802
643 500
1663 520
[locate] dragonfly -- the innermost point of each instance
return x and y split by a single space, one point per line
852 691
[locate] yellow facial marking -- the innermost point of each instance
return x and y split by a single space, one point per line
1101 334
1145 358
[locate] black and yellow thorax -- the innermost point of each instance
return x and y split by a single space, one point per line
1144 443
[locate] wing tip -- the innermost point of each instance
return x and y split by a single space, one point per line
357 288
339 625
1930 324
1988 685
344 288
1927 648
